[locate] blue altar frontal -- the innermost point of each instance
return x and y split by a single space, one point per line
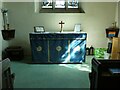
58 47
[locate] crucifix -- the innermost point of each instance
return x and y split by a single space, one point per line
61 23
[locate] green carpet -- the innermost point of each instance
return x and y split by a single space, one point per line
51 75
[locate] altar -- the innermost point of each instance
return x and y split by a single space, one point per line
58 47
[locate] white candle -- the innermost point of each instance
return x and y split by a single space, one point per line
7 22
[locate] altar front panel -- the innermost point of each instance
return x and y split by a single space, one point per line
58 48
39 50
77 50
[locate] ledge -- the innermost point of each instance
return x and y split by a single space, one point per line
61 10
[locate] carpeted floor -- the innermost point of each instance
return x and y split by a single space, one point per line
51 75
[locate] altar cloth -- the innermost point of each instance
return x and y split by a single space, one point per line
58 47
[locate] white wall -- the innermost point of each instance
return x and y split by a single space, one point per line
97 17
0 32
3 43
119 15
0 48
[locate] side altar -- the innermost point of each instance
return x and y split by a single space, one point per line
58 47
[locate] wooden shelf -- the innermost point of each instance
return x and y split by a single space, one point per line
8 34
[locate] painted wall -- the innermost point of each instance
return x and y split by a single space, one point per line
0 48
119 15
0 32
97 17
3 43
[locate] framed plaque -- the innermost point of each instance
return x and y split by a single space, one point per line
77 28
39 29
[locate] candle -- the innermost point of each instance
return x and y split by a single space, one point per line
7 22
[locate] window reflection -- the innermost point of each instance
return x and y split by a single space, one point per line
47 4
60 4
72 3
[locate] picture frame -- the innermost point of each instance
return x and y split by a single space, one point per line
39 29
77 28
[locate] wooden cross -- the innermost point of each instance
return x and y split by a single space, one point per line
61 23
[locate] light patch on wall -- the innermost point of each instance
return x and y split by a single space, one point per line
36 5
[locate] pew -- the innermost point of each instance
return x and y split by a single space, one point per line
7 75
104 74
